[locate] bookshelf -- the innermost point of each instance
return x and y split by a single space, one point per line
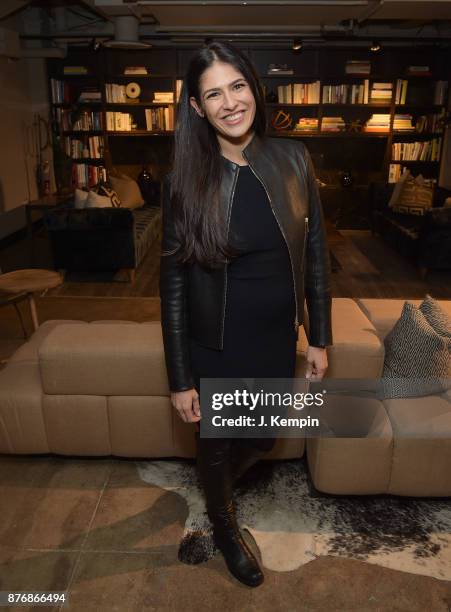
337 112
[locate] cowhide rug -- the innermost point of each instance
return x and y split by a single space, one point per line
292 523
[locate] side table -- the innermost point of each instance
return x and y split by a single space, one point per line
20 284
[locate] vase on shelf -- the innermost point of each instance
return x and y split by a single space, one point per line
149 188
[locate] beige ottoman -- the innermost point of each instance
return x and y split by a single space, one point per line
421 445
353 453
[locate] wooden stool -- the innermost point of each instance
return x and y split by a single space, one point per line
21 284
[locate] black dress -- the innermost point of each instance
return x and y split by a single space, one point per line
259 333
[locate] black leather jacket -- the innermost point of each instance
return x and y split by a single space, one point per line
194 299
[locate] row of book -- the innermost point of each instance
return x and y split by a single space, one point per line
161 118
431 123
86 175
394 172
91 147
306 124
63 92
85 121
423 123
346 94
299 93
157 119
417 151
440 91
118 122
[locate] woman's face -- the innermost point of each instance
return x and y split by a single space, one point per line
226 100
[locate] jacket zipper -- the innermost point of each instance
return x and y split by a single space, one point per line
226 265
296 320
305 242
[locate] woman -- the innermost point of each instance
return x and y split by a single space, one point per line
243 245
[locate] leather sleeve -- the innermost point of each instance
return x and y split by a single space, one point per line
318 269
173 297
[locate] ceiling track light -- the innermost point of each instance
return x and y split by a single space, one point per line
297 44
375 46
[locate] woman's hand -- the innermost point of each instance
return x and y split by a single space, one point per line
187 405
316 362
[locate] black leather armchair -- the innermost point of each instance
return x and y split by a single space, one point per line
425 239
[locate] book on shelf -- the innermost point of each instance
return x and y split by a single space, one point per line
118 122
358 67
86 175
332 124
306 124
345 94
91 147
160 119
163 96
403 123
428 150
378 122
60 91
401 91
75 70
440 91
299 93
85 121
395 171
381 92
90 95
431 123
115 93
419 71
135 70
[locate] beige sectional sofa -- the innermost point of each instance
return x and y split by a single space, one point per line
100 388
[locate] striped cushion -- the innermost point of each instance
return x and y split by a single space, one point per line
417 358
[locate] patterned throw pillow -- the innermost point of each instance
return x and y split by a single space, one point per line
106 190
94 200
416 196
417 358
129 192
437 318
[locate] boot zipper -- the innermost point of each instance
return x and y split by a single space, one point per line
225 274
296 320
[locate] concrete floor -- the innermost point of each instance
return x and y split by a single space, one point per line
93 528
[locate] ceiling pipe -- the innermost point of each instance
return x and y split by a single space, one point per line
251 3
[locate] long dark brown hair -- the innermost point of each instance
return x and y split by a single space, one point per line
197 165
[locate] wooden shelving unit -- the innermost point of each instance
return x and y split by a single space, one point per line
107 65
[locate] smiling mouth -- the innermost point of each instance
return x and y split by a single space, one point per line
233 118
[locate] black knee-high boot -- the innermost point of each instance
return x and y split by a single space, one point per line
213 463
243 458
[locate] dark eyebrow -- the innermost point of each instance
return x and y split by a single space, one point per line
232 83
